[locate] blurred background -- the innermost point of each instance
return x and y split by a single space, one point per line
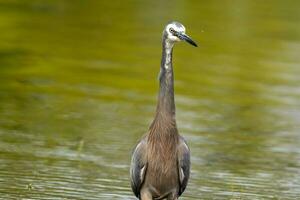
78 87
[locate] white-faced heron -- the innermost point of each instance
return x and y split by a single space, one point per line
160 165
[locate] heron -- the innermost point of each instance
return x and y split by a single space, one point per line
160 163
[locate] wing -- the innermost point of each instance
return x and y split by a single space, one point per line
138 167
183 165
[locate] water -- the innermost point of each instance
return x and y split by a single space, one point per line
78 86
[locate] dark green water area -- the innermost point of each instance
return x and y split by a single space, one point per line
78 88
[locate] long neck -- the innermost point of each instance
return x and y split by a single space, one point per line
166 103
163 134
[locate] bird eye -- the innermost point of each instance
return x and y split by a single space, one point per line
172 30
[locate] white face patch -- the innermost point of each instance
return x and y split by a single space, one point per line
176 27
170 40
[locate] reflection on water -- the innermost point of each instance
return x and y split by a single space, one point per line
79 83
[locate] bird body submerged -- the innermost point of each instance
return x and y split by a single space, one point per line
160 164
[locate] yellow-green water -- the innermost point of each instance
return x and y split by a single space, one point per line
78 86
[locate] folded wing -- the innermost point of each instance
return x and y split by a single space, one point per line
183 165
138 167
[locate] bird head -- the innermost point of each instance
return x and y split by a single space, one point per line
175 32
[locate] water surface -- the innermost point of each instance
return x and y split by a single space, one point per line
78 86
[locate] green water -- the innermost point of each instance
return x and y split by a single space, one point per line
78 86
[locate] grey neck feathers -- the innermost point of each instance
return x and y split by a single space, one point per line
166 103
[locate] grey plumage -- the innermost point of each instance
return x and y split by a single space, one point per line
138 167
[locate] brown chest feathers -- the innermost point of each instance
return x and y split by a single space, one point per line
163 138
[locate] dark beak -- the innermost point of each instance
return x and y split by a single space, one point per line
186 38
